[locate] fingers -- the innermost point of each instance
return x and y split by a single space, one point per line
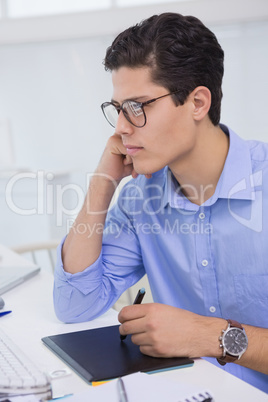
127 160
134 327
152 328
116 145
132 319
150 351
117 148
134 174
133 312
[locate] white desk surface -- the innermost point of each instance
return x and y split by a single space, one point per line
33 317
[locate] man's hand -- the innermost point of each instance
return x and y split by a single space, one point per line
165 331
115 162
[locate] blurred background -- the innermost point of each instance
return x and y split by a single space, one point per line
52 82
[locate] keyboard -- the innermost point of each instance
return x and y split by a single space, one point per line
18 375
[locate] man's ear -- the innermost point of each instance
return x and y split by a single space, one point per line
201 97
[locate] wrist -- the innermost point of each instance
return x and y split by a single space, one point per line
100 192
100 181
233 342
206 337
214 327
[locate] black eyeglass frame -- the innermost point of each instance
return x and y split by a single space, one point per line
141 105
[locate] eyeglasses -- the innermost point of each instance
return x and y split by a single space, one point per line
132 110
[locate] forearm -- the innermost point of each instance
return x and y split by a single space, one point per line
83 244
256 355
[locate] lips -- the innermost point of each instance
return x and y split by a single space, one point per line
132 149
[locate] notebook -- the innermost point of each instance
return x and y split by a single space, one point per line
143 387
99 354
13 276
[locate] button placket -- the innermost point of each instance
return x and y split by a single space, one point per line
205 262
202 215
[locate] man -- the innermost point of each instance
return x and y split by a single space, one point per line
194 217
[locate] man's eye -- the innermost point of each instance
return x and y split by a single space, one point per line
135 108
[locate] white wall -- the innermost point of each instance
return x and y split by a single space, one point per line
51 94
245 81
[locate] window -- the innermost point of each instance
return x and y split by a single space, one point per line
31 8
131 3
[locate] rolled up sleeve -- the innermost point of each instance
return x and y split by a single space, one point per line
86 295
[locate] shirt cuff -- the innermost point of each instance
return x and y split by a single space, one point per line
85 281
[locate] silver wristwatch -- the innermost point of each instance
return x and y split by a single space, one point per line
233 341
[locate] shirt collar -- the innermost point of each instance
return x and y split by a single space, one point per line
236 178
235 181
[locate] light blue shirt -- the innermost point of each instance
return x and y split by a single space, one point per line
210 259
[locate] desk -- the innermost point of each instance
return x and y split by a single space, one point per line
33 317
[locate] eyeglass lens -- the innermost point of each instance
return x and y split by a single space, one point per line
132 111
111 113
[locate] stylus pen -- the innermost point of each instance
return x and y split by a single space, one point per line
4 313
138 300
121 390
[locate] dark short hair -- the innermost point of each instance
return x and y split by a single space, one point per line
181 52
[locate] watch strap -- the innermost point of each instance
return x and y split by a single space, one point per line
234 323
229 358
226 359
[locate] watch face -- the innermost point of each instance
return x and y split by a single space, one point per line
235 341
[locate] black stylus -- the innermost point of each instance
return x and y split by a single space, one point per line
138 300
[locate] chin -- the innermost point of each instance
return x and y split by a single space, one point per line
144 171
147 170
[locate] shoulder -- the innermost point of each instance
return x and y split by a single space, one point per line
258 150
259 160
259 163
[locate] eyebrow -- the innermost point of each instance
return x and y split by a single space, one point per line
134 99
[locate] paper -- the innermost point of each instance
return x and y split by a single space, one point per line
141 387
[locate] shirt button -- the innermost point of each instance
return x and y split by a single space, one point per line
202 215
205 263
212 309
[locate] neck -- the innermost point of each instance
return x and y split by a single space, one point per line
199 173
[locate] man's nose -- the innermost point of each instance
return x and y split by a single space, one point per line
123 126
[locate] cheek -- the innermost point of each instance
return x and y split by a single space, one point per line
182 129
173 136
170 130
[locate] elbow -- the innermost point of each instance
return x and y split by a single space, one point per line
70 309
67 310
